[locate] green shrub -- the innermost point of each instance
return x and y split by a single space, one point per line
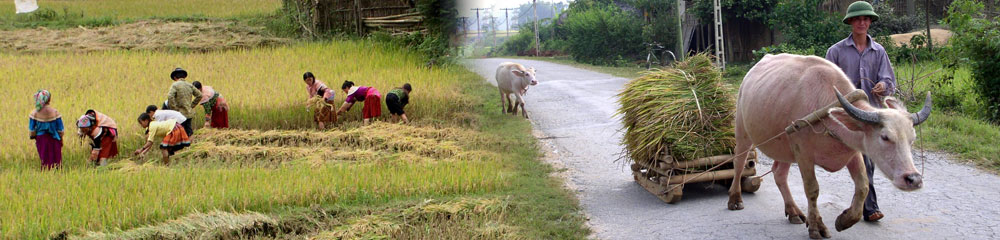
889 23
805 26
603 35
977 39
819 51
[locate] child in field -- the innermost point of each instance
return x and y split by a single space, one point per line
163 115
170 135
396 100
103 131
46 128
216 109
314 87
369 95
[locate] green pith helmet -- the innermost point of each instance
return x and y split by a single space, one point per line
860 8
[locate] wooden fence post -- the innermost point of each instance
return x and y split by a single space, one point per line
357 14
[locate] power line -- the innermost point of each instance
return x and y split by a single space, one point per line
478 25
507 18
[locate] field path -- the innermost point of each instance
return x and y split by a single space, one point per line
572 110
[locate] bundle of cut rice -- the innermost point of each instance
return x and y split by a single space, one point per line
316 103
685 111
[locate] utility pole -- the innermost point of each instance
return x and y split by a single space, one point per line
680 31
720 50
507 18
465 26
493 21
534 5
478 26
927 22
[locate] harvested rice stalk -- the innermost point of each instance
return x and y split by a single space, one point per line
212 225
685 111
316 103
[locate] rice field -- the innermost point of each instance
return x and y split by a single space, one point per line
263 86
140 9
272 160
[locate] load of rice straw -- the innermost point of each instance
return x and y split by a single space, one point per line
685 111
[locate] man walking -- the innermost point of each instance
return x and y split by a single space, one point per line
867 65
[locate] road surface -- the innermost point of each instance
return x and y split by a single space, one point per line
572 111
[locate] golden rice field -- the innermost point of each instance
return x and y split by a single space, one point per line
273 159
263 86
137 9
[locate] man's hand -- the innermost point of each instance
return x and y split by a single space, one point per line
879 89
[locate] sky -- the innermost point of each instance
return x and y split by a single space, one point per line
465 6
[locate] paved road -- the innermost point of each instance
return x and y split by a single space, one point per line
573 111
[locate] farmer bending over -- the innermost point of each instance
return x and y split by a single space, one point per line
103 132
216 109
169 134
396 101
373 105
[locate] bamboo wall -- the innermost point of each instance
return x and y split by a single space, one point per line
349 15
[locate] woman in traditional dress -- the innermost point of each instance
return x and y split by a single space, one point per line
46 128
325 115
103 131
169 134
216 109
369 95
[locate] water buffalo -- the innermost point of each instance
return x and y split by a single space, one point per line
513 78
782 88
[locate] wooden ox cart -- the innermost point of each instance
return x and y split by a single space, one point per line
665 178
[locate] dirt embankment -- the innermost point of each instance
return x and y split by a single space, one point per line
940 37
142 35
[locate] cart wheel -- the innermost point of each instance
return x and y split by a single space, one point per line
750 184
673 196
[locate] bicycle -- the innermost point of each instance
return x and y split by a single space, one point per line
652 57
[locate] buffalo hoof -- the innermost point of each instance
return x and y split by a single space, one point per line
736 205
735 201
845 221
818 230
796 219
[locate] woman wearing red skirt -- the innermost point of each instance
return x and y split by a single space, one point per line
216 109
369 95
103 131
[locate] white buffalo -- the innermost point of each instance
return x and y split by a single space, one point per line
513 78
783 88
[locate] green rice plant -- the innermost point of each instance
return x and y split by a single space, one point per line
685 111
37 204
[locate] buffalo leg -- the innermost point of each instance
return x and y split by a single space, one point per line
503 101
807 168
520 102
792 210
852 215
743 146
